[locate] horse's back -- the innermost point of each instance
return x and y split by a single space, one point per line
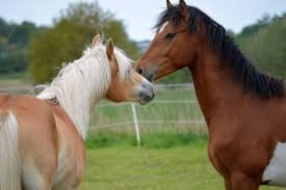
30 112
37 137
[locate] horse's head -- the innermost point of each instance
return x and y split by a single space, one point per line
173 46
126 83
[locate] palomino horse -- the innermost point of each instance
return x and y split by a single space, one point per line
42 138
244 109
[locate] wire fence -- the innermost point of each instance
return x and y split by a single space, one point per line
175 107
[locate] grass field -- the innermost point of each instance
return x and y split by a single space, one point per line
127 168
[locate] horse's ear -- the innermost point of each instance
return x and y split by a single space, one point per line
109 48
169 4
95 40
183 9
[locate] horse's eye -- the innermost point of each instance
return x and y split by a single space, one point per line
170 35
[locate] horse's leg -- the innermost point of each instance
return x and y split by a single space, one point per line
39 166
39 151
240 181
35 179
69 185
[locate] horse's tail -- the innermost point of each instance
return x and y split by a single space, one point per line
10 164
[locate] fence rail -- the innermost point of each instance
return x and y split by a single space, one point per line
175 105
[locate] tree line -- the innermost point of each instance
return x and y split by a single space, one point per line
14 43
42 50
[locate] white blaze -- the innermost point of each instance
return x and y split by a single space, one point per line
163 27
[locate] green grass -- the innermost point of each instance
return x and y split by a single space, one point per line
131 168
163 169
153 140
165 161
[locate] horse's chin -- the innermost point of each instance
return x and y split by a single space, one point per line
143 102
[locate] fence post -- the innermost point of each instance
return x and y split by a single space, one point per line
136 126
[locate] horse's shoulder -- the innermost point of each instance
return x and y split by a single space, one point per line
61 114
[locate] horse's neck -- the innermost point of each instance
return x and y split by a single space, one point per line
79 111
77 93
215 89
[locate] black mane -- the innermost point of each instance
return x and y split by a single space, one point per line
231 56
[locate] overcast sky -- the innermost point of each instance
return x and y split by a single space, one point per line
140 15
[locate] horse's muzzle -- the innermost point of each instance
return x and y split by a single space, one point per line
146 93
149 75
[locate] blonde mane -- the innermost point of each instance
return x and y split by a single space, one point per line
80 84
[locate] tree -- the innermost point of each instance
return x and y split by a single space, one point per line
268 49
12 61
5 28
22 33
14 39
253 29
71 33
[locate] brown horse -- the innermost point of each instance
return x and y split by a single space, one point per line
42 137
245 109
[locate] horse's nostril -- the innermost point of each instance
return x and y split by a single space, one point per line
150 77
139 70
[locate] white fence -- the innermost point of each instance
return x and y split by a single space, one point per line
175 106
